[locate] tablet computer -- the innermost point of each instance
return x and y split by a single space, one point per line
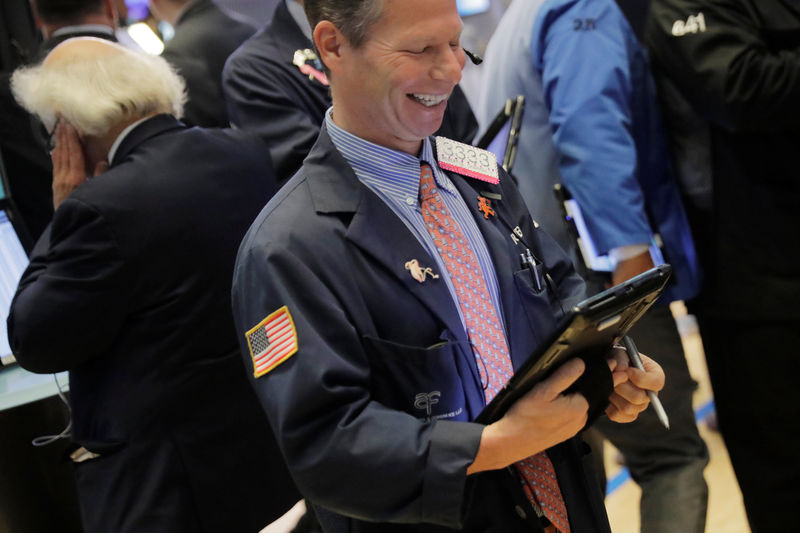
590 328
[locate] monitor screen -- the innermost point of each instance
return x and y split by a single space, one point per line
472 7
13 261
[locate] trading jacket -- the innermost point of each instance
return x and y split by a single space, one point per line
591 122
737 63
205 35
372 343
128 289
267 94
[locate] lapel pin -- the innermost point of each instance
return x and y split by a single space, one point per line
301 60
420 273
485 207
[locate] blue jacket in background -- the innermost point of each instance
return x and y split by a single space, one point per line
591 121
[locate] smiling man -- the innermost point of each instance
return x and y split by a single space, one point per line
380 306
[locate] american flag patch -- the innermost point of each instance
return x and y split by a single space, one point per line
272 341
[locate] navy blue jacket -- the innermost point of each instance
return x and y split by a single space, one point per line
267 94
371 339
129 290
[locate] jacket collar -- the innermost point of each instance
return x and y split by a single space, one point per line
335 189
286 34
194 7
149 128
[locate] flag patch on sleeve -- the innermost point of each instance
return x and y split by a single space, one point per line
272 341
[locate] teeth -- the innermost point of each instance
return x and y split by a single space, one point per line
429 100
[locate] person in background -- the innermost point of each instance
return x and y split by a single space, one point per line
205 36
275 86
592 124
729 75
129 290
376 305
22 141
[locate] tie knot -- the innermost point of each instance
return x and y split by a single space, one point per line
427 185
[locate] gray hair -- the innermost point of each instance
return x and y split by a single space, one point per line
94 94
353 18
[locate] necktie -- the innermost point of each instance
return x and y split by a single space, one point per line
486 336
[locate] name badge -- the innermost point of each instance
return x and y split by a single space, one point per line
467 160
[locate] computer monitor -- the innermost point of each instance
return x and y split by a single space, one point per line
502 135
13 261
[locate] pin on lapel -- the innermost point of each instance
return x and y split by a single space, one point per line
301 60
418 272
485 207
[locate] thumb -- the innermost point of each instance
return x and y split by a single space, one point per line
99 168
562 378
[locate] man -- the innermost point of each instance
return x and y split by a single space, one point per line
378 321
205 36
128 289
82 18
21 140
728 73
275 86
592 123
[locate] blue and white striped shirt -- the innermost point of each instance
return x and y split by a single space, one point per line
394 176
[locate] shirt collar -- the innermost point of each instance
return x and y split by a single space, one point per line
376 164
83 28
121 137
299 16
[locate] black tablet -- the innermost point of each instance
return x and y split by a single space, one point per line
590 328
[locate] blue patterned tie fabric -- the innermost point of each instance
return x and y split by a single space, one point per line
486 336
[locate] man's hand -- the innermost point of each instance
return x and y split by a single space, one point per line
628 268
631 385
69 166
540 419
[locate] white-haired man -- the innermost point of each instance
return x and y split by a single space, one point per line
128 289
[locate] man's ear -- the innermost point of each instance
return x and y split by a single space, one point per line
110 11
330 43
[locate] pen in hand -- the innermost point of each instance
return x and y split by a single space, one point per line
636 361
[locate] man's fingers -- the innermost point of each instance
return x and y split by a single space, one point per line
562 378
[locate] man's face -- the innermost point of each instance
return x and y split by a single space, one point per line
393 89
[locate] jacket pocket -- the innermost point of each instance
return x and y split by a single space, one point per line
540 308
421 381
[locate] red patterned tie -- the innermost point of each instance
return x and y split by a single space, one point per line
486 336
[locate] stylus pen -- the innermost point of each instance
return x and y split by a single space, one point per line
633 355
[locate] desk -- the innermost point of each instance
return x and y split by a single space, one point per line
18 386
37 490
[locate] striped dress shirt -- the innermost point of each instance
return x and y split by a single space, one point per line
394 177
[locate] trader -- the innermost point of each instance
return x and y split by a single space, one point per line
728 72
128 289
380 305
275 86
592 124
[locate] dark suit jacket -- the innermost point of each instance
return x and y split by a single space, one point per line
205 36
129 290
370 339
267 94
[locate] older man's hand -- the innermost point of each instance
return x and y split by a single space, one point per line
631 385
69 163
